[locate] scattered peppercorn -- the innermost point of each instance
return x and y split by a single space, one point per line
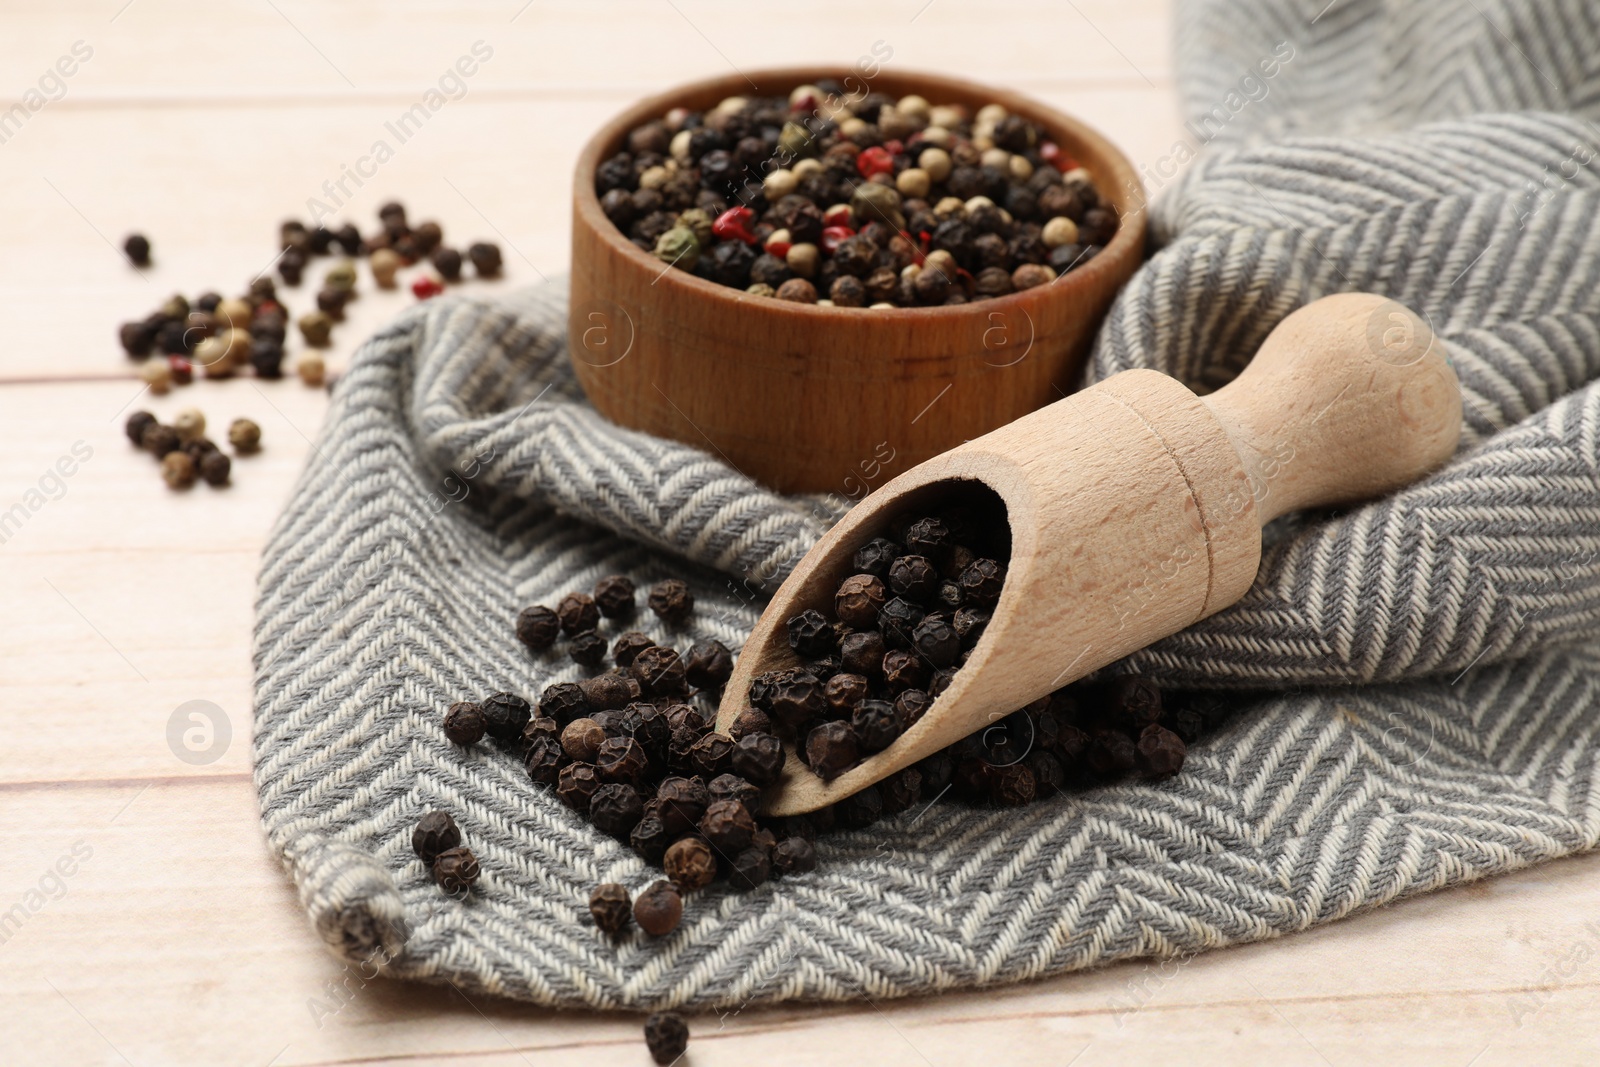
657 910
614 597
666 1035
137 247
244 435
538 627
611 908
178 470
456 871
485 259
671 600
435 833
464 723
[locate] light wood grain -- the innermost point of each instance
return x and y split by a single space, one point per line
178 941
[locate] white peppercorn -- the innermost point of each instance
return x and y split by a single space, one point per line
779 184
802 259
913 182
384 263
311 367
806 168
990 114
234 312
1021 169
914 106
948 206
157 374
1060 231
190 424
936 161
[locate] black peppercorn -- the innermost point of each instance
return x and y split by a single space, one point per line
862 653
690 864
628 646
137 424
903 670
137 247
875 724
898 621
749 868
611 691
712 754
581 740
681 802
915 578
137 338
733 787
728 826
750 721
845 690
544 759
859 599
671 600
936 641
456 870
587 648
464 723
563 702
795 696
650 838
435 833
485 257
576 784
1012 785
613 596
1111 752
615 809
658 671
708 665
831 749
537 627
622 759
911 705
611 908
758 758
940 680
657 910
810 634
505 715
215 468
794 855
646 724
1161 752
159 440
876 556
666 1035
1134 701
982 582
969 625
861 809
577 612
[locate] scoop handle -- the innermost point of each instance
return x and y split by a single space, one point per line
1349 398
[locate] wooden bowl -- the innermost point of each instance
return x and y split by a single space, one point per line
807 398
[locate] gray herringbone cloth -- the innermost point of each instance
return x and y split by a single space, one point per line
1437 648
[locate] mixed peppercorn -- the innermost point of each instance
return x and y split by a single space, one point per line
185 452
855 200
223 337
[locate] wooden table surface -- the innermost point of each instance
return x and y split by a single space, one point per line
174 938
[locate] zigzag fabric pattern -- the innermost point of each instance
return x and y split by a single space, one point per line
1437 652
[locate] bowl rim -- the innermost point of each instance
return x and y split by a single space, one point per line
1124 186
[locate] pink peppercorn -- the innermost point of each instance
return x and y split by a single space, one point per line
833 235
838 215
1052 154
182 370
874 160
426 286
734 224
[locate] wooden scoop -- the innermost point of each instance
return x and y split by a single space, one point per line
1135 509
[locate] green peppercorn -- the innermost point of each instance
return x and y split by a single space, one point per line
341 275
177 469
317 328
244 435
678 247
